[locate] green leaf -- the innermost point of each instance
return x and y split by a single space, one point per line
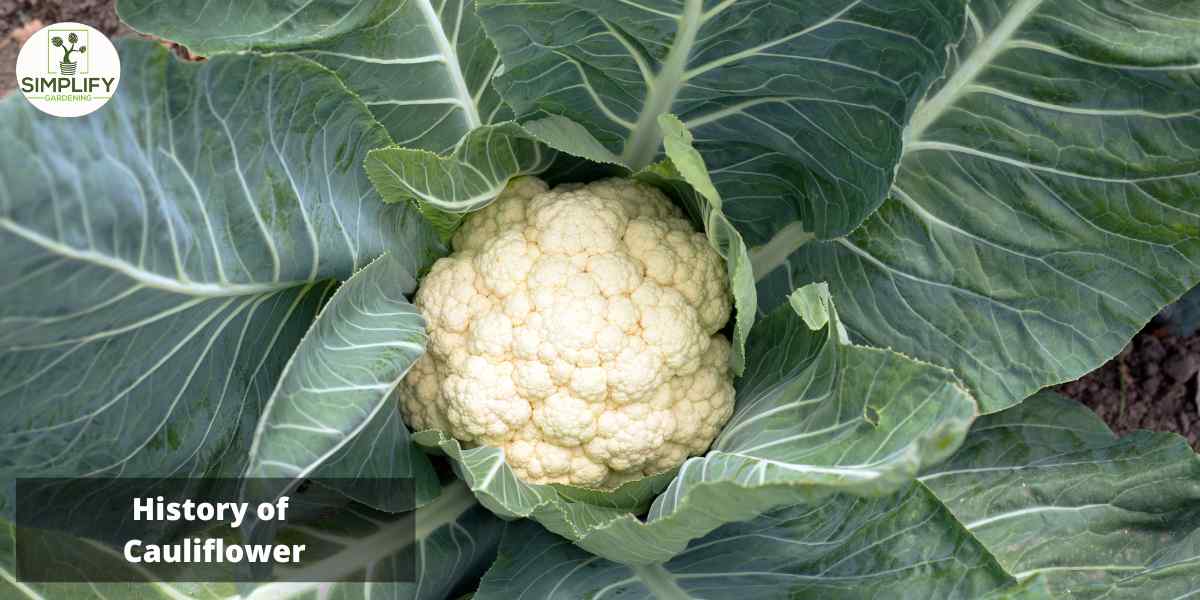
164 256
814 417
214 27
338 382
1033 588
566 509
721 233
1049 491
423 66
568 136
581 157
1041 493
445 188
901 546
366 466
456 540
1047 204
812 303
798 108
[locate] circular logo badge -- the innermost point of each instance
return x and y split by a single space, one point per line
68 70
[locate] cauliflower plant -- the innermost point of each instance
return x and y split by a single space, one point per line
576 329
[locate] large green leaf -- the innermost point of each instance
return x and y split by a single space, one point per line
1047 204
1049 491
163 256
901 546
338 383
797 106
366 467
1041 493
213 27
423 66
815 416
455 540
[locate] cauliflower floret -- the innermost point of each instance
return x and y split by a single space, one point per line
422 396
502 215
576 329
565 420
482 403
703 401
627 437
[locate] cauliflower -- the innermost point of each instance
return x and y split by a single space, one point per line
576 329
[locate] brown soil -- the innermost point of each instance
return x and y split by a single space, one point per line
1152 384
21 18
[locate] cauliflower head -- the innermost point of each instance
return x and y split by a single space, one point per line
576 329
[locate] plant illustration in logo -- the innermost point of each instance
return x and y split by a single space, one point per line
66 65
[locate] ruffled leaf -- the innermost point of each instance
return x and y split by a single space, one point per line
1048 489
901 546
445 188
1040 502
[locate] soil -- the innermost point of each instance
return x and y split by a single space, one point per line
1152 384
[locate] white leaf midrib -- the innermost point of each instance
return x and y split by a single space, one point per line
660 582
765 258
928 111
643 144
9 578
139 273
453 67
980 58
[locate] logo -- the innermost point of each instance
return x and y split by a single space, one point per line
68 70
